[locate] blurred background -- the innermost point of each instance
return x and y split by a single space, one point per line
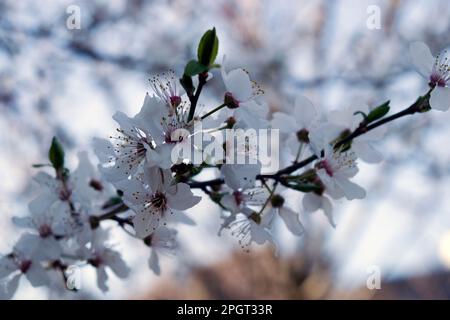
68 82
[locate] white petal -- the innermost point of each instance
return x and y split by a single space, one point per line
182 198
311 202
9 288
421 58
24 222
291 220
47 249
351 190
366 152
305 111
328 211
440 98
150 115
229 202
145 223
103 149
284 122
37 275
125 123
42 203
27 244
102 277
250 115
117 265
259 234
134 191
331 187
238 82
153 262
7 266
240 175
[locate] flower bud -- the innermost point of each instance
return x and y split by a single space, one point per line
230 101
277 201
231 121
303 136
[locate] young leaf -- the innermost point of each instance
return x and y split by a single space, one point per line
193 68
208 48
56 154
187 84
303 187
378 112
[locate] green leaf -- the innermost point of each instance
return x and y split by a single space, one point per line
378 112
193 68
56 154
208 47
303 187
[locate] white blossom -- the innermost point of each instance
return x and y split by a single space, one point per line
436 70
161 242
156 200
101 256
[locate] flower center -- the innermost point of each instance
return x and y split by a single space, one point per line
96 261
303 135
440 75
96 185
238 197
324 164
45 231
231 101
159 201
25 266
175 101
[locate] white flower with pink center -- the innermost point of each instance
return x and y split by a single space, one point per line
437 72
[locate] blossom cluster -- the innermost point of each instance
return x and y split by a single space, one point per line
144 184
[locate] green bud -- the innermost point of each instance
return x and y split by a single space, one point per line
56 154
378 113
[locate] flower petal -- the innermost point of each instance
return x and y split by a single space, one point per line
440 98
183 198
421 58
153 263
366 152
291 220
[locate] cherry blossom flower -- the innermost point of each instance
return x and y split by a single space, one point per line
335 168
240 88
162 241
250 226
25 259
238 199
290 217
437 72
156 201
125 155
299 121
313 202
296 125
101 256
240 97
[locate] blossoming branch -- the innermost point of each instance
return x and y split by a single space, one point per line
148 168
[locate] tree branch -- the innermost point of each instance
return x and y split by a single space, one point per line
421 104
